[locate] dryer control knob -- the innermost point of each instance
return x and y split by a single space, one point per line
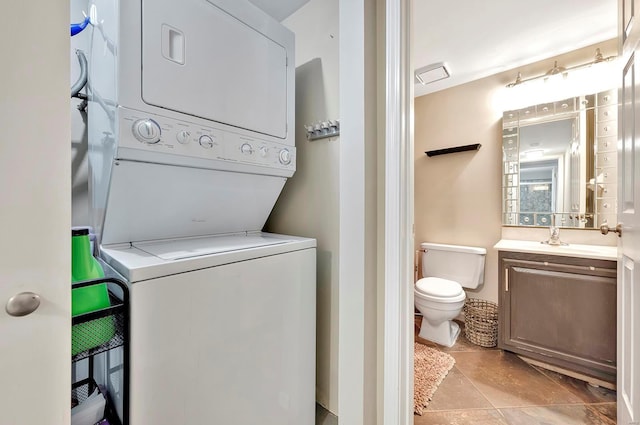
246 149
183 137
285 157
206 141
147 131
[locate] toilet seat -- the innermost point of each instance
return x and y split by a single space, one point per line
438 289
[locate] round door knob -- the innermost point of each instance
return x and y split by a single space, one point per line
23 304
146 131
285 157
605 229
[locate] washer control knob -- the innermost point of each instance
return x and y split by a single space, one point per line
285 157
147 131
206 141
246 149
263 151
183 137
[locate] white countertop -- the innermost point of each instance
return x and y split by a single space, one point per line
597 252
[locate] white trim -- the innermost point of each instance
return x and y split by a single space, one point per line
398 294
352 213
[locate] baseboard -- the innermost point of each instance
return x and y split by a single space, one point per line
589 379
325 417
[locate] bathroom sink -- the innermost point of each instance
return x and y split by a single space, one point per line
599 252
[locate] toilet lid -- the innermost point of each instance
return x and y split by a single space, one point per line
437 287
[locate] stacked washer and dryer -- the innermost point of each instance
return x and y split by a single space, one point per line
191 140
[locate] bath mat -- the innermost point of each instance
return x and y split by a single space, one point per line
430 368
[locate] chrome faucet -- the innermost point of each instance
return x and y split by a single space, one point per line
554 233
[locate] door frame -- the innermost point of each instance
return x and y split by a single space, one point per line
397 379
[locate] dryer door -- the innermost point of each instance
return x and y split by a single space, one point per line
200 60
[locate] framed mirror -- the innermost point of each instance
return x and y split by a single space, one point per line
560 163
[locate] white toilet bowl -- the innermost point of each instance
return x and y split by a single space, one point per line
439 301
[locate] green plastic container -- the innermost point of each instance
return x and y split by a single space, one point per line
84 266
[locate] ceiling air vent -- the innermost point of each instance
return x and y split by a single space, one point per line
432 73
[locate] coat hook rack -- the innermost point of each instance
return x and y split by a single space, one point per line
323 129
473 147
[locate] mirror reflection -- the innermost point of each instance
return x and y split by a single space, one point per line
559 163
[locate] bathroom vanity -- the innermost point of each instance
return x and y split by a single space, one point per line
557 305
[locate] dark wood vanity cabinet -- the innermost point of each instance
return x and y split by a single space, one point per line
560 311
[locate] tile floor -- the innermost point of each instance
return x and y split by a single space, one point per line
493 387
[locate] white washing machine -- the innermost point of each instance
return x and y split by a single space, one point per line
222 329
191 140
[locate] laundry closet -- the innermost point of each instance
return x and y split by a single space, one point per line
190 124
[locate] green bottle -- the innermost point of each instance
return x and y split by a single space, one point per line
84 266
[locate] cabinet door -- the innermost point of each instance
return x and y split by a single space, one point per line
564 314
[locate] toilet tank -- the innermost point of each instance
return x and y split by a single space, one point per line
462 264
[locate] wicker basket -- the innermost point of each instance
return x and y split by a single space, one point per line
481 322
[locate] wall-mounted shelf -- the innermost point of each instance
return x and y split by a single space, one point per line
473 147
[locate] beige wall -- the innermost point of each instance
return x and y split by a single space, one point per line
458 196
308 205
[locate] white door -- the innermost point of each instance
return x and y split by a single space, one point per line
628 378
35 212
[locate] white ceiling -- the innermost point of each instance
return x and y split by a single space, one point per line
279 9
481 38
478 38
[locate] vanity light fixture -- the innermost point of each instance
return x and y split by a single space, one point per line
559 70
432 73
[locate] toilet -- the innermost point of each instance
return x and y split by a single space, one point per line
439 295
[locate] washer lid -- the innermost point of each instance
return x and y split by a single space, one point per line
437 287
